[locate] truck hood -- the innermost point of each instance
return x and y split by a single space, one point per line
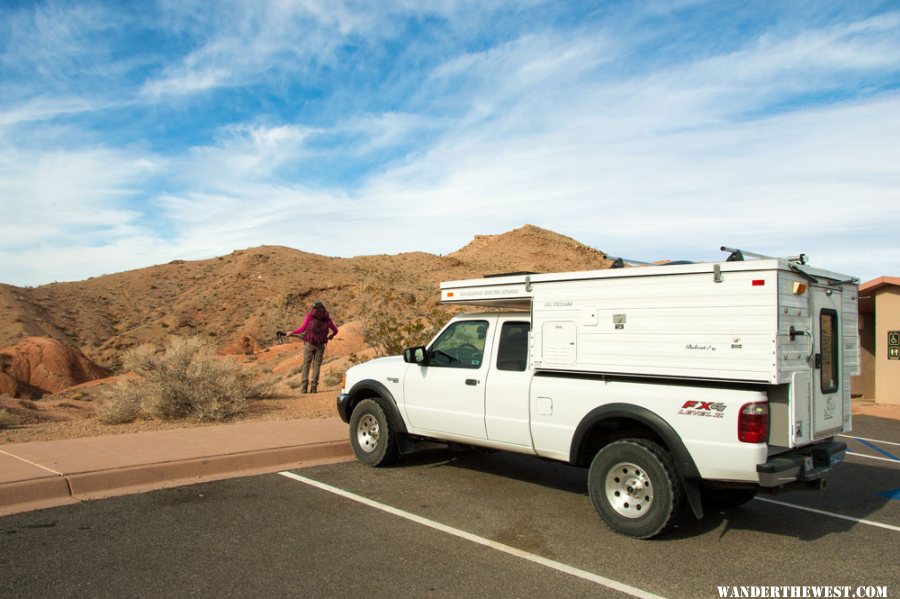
377 369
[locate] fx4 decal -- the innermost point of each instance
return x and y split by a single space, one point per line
706 409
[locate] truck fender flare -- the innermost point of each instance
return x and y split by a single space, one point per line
687 469
369 389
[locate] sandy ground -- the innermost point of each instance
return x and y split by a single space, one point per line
68 419
71 413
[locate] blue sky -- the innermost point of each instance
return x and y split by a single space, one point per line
136 133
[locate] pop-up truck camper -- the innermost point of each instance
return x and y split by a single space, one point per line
705 383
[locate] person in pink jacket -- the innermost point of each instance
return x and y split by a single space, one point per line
315 332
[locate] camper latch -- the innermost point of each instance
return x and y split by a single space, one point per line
717 273
797 333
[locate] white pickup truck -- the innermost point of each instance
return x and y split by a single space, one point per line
697 382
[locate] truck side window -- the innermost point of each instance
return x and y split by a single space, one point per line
461 345
513 351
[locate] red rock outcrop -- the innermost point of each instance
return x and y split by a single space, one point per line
43 365
245 344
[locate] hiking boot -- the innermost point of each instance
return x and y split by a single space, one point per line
303 388
313 388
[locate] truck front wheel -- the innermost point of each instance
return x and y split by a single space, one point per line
373 441
635 487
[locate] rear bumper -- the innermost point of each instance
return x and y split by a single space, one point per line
803 465
343 403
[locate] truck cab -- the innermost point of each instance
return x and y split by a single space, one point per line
469 385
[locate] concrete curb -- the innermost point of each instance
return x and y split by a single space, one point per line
34 494
106 483
58 489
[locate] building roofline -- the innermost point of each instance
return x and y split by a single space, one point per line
879 283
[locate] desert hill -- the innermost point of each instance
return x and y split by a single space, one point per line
529 249
241 299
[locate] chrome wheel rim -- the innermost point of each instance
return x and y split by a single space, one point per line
367 433
628 490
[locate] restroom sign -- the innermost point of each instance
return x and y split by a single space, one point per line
893 345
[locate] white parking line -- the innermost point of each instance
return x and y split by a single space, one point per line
549 563
832 514
869 440
872 457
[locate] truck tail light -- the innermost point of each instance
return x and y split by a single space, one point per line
753 423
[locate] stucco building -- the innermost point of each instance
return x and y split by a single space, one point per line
879 336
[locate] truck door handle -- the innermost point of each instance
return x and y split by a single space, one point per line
818 361
472 382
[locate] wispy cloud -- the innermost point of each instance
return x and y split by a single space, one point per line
244 43
68 197
61 48
44 109
241 154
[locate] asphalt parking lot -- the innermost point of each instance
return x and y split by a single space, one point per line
455 524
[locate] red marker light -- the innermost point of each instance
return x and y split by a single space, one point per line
759 282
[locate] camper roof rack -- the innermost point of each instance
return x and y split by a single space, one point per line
736 255
621 262
510 274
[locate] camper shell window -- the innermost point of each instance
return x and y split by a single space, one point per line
828 334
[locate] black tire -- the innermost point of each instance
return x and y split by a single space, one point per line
635 487
724 498
373 439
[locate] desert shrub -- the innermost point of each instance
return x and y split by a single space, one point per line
186 380
392 322
6 419
140 358
119 404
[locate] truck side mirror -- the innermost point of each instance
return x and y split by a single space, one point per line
414 355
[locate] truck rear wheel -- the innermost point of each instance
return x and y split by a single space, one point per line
373 440
635 487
